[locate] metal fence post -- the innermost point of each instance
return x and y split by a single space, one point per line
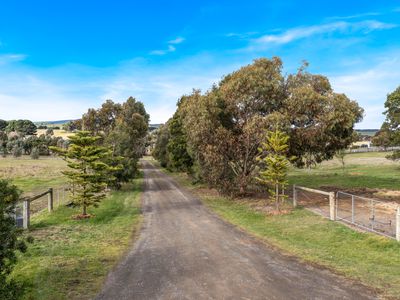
50 200
26 214
398 224
332 206
294 196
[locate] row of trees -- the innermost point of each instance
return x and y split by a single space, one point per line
19 137
389 133
215 136
21 127
123 129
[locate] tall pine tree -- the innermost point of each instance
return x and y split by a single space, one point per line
89 173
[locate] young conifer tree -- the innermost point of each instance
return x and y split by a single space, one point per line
89 173
274 165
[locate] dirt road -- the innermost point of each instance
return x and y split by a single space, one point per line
185 252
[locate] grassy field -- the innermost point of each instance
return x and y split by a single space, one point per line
69 259
365 257
33 175
362 170
57 132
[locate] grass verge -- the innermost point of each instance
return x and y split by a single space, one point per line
70 259
365 257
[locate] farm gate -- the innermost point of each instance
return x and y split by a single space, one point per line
368 214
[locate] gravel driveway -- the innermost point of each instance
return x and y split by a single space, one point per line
186 252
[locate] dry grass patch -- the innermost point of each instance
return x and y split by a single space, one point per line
32 175
57 132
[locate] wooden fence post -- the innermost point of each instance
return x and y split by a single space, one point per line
398 224
50 200
26 214
294 196
332 210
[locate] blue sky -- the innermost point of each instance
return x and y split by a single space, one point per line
58 58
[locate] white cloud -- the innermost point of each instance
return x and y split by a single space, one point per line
41 94
66 92
163 52
297 33
11 58
40 107
370 88
158 52
158 88
170 48
176 41
356 16
242 36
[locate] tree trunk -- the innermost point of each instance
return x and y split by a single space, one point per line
242 189
277 196
84 210
242 184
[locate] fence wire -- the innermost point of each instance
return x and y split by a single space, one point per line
315 202
370 214
61 196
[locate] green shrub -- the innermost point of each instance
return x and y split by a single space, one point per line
9 240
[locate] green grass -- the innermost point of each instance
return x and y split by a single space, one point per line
371 259
69 259
33 175
363 170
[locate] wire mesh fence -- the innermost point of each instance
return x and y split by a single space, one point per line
312 200
369 214
60 196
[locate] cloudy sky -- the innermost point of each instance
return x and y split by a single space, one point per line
58 58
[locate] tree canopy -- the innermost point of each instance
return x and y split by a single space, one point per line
223 128
22 127
123 128
389 134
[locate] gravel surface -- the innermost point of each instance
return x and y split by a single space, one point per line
186 252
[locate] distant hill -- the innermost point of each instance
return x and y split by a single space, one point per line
46 123
154 126
62 122
369 132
